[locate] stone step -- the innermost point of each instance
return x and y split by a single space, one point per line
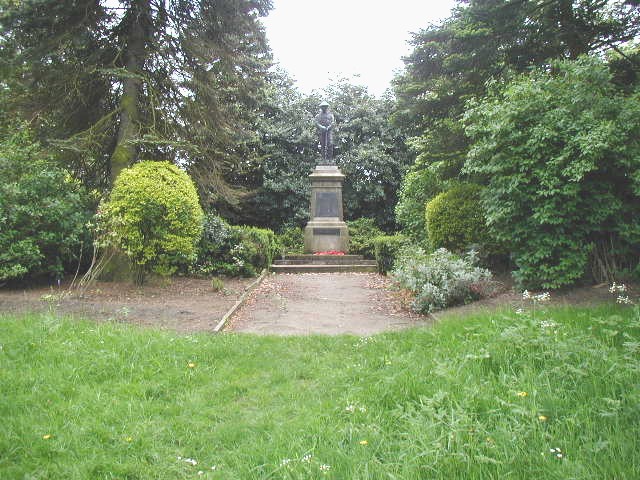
308 268
324 260
309 257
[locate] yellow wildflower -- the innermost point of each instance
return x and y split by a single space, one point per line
191 365
47 436
363 442
543 418
522 394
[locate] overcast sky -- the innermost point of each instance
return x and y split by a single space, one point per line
317 41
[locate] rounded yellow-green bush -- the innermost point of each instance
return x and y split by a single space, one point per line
154 216
455 219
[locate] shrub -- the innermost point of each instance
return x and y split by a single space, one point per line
387 248
441 279
559 152
218 238
256 250
154 217
455 219
291 240
234 250
361 234
43 212
419 186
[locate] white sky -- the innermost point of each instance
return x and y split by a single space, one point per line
320 41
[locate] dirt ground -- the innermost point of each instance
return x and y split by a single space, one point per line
357 303
363 304
180 304
323 303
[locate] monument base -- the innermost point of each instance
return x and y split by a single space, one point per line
325 236
326 231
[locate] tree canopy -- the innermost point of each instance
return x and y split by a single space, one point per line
107 83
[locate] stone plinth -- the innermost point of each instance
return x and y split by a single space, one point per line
326 230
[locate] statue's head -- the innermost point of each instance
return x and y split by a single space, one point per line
324 105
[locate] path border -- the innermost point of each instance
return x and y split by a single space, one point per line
221 324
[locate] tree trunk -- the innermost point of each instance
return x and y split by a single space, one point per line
137 25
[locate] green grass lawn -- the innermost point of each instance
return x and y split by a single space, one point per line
490 396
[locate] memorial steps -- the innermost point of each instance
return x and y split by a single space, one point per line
324 264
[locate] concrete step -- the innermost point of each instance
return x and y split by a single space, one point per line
324 260
311 268
309 257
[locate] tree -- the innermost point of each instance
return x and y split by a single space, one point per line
491 39
106 83
370 152
560 154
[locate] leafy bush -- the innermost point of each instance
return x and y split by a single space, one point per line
559 152
218 237
387 248
441 279
455 219
234 250
257 248
291 240
43 212
154 216
419 186
361 234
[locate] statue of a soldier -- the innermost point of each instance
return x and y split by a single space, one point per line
324 124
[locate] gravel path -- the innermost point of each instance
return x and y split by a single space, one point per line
322 303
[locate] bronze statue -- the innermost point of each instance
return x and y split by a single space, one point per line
324 124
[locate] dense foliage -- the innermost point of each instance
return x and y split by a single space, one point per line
368 149
43 212
455 219
291 240
362 232
561 157
387 248
110 82
153 215
234 250
418 187
441 279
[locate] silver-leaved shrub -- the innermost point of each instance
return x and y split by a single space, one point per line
441 279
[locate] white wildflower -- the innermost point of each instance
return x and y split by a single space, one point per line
542 297
617 288
284 462
325 468
307 458
526 295
624 300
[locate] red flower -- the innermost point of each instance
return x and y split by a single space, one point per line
330 252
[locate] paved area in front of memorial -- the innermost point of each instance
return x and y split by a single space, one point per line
323 303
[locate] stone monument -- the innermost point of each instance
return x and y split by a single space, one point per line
326 230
